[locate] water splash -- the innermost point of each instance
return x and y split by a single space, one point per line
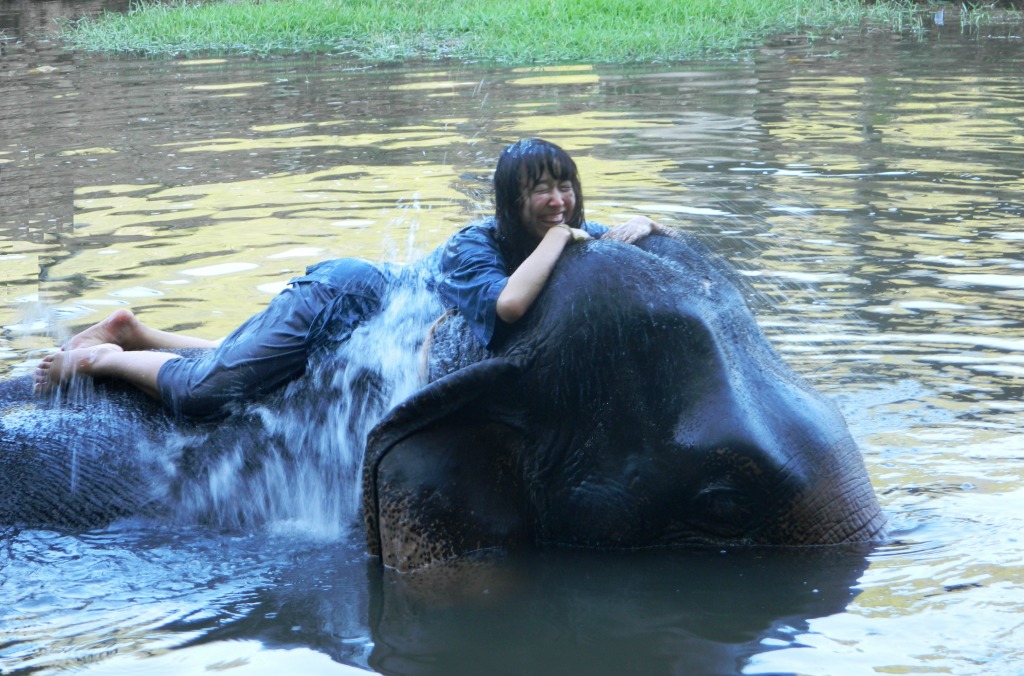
306 479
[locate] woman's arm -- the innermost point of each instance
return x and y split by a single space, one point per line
529 279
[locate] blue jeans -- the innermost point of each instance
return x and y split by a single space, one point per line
272 347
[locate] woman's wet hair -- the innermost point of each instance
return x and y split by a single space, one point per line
520 167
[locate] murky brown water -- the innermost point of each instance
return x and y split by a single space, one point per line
870 189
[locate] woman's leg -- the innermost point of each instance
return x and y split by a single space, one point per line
123 329
273 347
262 354
265 352
106 360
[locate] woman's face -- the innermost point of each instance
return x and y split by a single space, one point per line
547 204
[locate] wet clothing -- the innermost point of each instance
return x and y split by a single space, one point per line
324 306
272 347
474 272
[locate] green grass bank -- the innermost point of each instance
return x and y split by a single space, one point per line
515 32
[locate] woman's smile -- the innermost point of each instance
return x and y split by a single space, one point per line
549 203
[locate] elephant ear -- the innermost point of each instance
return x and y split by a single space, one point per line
438 475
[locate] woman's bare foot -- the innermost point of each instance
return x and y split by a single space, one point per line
121 328
60 367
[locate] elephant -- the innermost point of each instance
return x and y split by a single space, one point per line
636 405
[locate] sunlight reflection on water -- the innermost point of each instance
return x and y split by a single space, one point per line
870 201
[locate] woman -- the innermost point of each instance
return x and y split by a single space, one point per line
490 271
493 271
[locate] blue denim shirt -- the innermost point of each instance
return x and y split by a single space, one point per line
474 273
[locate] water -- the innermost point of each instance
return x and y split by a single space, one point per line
869 190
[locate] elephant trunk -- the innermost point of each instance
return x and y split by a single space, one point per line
838 508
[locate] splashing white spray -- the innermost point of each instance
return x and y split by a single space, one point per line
307 479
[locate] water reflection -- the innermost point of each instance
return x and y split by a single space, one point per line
868 190
564 612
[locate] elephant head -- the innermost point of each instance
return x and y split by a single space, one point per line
636 405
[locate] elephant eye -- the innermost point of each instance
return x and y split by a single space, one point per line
723 510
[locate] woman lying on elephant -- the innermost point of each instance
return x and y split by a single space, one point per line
490 271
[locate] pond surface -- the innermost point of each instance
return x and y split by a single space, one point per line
870 190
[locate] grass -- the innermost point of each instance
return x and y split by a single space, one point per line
974 15
505 31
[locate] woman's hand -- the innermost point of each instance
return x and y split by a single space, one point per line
578 234
632 230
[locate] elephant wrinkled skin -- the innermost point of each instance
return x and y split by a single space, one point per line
636 405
